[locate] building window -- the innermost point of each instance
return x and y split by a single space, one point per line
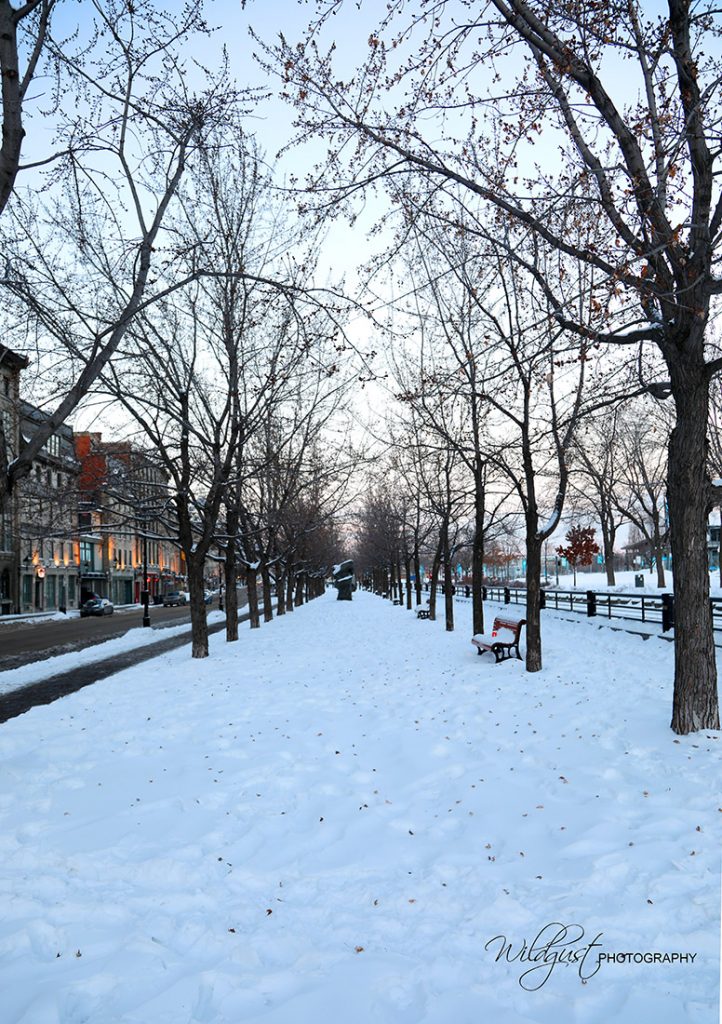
71 589
6 386
7 425
6 540
27 589
87 555
53 445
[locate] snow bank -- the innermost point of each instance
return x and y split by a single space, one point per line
15 678
272 835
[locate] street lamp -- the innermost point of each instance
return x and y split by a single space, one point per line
144 594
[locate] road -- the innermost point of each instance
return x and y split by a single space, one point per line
17 702
31 641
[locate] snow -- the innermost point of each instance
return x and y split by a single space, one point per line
36 671
624 582
31 617
501 636
550 525
273 836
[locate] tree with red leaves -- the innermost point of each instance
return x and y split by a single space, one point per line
581 547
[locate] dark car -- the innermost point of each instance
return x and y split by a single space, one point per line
175 597
96 606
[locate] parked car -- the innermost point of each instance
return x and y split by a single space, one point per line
175 597
207 596
96 606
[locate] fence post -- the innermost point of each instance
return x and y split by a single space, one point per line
483 593
591 603
467 591
507 595
542 599
667 612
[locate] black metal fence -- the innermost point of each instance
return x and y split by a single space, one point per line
648 608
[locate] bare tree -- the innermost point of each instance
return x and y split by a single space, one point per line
31 22
596 469
642 493
82 250
647 168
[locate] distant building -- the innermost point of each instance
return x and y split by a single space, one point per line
127 530
11 365
48 525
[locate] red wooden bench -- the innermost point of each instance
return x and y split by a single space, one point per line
503 639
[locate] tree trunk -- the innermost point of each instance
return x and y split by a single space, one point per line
252 592
392 587
417 569
533 598
695 704
230 572
267 599
407 570
657 548
477 558
434 581
289 587
281 592
608 537
298 599
199 623
448 582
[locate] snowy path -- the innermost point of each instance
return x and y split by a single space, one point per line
328 821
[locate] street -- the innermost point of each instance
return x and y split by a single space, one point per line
25 642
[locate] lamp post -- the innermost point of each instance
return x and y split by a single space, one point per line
145 596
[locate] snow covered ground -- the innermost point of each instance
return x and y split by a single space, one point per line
35 671
624 582
345 816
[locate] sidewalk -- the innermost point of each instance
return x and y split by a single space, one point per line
344 816
55 615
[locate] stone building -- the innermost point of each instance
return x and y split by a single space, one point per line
127 533
48 520
11 365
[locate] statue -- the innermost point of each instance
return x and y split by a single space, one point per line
343 580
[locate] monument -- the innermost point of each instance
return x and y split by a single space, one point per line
343 580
